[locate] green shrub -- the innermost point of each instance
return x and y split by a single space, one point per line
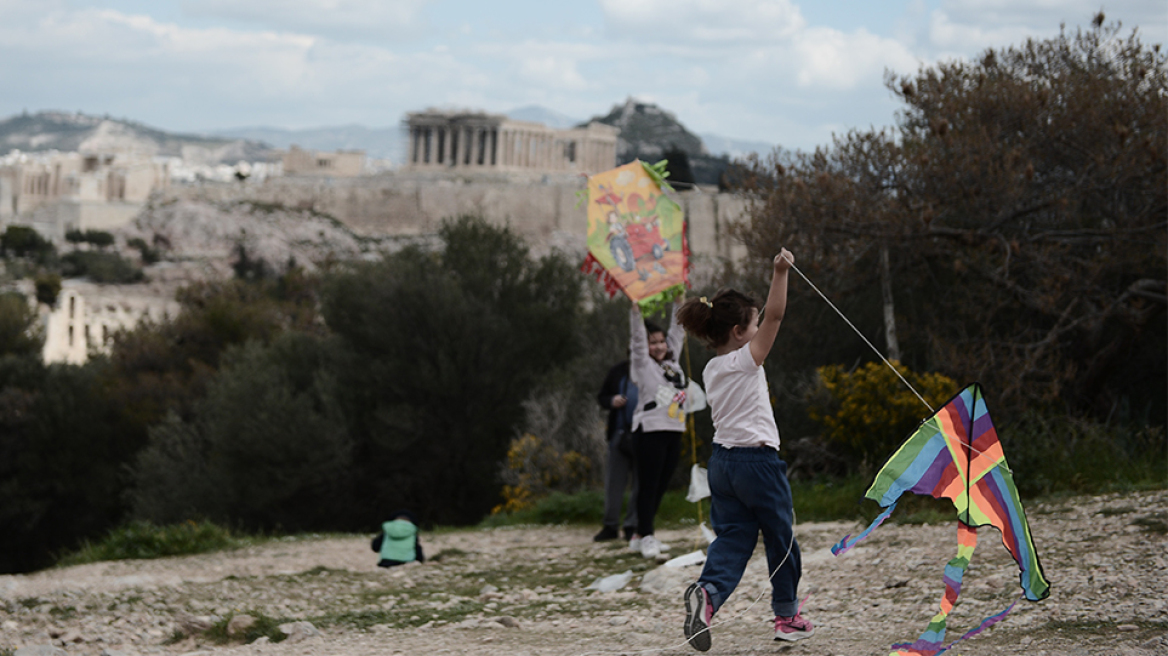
99 238
64 446
1053 454
19 334
100 267
142 540
441 349
869 411
149 255
22 241
48 287
267 448
263 626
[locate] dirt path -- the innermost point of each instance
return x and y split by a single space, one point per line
1107 559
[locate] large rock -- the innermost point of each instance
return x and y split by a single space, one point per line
297 631
239 625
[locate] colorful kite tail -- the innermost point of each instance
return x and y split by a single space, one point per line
985 624
845 544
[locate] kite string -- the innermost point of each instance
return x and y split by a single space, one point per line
853 327
881 355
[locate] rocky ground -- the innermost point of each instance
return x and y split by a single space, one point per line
522 591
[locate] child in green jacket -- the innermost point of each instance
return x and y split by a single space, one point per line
398 541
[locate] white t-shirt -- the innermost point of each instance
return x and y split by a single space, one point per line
740 404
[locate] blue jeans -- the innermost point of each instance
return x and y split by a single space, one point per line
749 492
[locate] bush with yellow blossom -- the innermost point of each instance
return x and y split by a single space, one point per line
534 469
870 411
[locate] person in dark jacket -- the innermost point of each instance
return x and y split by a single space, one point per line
398 542
618 395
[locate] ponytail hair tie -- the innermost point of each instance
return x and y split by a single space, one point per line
706 302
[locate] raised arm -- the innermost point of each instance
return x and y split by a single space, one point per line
776 307
638 344
676 336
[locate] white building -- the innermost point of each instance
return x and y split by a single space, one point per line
87 315
478 141
56 192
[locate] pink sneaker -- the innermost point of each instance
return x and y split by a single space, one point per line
698 613
793 628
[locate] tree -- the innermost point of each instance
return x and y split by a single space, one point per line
442 350
63 447
1022 199
267 448
678 167
21 241
19 333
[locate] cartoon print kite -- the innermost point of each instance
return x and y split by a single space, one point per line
636 235
955 454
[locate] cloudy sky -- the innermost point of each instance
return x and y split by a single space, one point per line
788 72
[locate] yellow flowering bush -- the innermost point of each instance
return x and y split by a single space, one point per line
870 410
535 469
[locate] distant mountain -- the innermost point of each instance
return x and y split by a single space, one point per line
549 117
649 132
378 143
734 148
66 131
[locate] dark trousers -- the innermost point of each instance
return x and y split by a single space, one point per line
749 493
618 469
657 455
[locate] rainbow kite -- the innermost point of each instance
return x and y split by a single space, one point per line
956 455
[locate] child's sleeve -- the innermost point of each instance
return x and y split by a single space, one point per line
376 544
676 336
638 345
744 360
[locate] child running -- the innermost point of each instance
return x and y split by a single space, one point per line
748 480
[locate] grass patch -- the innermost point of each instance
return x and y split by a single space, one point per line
815 501
1099 628
142 540
1112 512
445 554
62 613
264 625
1157 523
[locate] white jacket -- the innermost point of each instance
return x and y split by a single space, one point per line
658 383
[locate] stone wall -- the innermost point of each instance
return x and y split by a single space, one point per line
543 210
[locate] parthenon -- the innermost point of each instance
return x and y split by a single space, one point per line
493 142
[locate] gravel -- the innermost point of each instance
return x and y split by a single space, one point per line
520 591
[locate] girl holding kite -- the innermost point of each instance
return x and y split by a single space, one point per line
659 419
748 480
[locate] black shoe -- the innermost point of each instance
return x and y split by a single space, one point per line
607 533
630 531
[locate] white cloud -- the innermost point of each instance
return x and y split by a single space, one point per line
164 73
341 18
833 59
550 71
963 38
971 26
705 21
